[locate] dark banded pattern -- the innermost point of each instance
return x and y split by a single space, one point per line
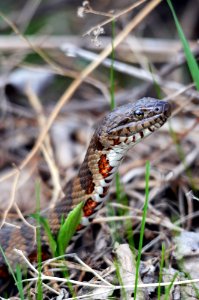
118 131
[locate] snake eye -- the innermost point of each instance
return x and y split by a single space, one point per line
139 114
157 109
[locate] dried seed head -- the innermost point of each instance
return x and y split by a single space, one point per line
81 12
86 4
95 36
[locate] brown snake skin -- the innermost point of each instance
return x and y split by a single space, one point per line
118 131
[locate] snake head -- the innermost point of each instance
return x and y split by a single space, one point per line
129 123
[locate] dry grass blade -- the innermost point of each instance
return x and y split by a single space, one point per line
46 147
12 196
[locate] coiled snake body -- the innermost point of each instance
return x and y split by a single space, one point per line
118 131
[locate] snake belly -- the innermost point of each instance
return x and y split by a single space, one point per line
118 131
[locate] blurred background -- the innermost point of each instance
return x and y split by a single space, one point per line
44 46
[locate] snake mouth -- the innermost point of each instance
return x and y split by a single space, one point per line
152 128
157 125
151 123
147 127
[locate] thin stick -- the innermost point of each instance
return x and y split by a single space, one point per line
12 197
19 252
75 256
25 221
116 287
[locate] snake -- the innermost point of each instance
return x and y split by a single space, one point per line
115 134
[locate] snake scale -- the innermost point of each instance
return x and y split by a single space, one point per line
118 131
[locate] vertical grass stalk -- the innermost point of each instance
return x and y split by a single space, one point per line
38 238
161 268
191 61
147 175
16 278
168 289
19 282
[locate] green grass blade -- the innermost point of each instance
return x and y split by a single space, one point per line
147 175
39 246
9 266
118 187
66 231
44 222
168 289
194 286
117 269
19 282
161 268
18 279
191 61
68 228
52 242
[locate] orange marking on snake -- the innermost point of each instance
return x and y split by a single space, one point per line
89 207
104 167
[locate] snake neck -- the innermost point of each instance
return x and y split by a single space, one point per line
91 185
94 178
